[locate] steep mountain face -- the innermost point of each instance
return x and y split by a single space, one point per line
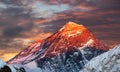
28 53
106 62
67 50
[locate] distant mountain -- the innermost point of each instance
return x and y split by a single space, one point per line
67 50
106 62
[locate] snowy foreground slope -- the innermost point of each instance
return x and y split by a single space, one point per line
106 62
4 67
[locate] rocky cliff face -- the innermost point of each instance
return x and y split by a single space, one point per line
67 50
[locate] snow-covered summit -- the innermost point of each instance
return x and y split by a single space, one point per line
70 36
72 26
67 50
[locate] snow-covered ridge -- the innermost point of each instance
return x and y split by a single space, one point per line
5 66
106 62
2 63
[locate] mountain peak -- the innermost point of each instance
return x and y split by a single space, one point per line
70 37
72 29
72 26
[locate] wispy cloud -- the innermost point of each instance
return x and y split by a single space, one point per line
41 10
2 6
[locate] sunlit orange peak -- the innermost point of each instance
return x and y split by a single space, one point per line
70 37
72 26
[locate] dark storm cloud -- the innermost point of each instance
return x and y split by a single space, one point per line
13 31
7 1
14 8
14 25
108 4
15 12
16 2
69 2
14 19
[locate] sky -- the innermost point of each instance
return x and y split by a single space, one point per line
24 21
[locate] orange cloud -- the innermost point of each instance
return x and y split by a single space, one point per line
85 8
7 56
108 12
40 36
41 21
